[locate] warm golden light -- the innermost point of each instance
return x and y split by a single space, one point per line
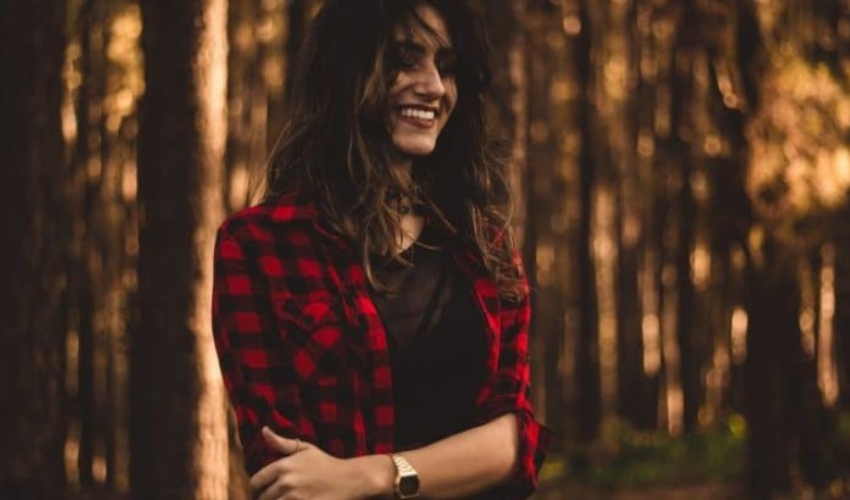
211 71
675 399
572 25
650 323
605 257
72 78
651 330
827 367
646 144
563 89
799 161
739 335
98 469
545 262
72 454
239 185
72 362
700 266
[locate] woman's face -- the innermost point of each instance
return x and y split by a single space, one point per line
424 93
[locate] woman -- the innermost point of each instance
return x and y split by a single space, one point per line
370 316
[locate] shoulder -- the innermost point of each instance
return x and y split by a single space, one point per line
286 217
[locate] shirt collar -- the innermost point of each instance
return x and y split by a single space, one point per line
293 206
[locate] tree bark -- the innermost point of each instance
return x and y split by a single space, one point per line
175 399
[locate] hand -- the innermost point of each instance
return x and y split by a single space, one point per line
305 472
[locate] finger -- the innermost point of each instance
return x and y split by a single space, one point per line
284 445
264 477
273 492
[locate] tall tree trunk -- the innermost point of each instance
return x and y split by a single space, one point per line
630 370
841 320
178 428
33 249
788 423
686 325
633 202
587 353
772 304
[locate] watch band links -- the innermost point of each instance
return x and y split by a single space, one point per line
406 479
402 465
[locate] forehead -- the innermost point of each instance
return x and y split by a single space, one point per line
426 28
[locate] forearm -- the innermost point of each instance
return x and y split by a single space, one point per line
457 466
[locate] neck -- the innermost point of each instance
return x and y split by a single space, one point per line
404 168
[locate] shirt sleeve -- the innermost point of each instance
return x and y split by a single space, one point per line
253 366
509 392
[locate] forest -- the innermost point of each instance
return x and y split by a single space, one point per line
681 179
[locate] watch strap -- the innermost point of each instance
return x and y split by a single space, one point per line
402 465
405 473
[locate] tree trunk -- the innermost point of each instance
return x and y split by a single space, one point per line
175 398
33 249
587 351
772 305
841 320
630 370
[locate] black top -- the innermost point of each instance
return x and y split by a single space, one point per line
437 340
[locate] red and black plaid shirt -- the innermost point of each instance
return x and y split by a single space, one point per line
303 350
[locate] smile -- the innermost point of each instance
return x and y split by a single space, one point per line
419 116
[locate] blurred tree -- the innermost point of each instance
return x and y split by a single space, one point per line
552 203
33 250
178 434
795 141
681 176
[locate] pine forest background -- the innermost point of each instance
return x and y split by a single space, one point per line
682 175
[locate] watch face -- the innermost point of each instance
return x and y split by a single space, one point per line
408 485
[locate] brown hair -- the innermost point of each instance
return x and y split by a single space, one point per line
337 142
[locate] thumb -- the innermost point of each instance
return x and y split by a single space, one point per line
284 445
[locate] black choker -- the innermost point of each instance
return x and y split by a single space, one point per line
406 204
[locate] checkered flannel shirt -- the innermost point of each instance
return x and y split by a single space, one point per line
302 348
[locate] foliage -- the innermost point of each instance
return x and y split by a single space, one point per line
800 161
629 458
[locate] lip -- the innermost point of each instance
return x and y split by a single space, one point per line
418 122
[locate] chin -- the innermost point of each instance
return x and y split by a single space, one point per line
416 149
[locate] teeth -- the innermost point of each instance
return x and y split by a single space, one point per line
420 114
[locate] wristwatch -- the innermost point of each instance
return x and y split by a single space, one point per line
406 478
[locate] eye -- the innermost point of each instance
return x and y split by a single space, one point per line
447 64
401 57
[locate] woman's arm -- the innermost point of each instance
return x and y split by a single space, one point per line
467 462
457 466
252 365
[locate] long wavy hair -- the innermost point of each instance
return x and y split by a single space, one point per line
337 144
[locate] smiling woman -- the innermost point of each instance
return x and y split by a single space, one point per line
371 315
424 92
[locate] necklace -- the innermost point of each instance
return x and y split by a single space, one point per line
405 204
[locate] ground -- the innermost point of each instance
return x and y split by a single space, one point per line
572 491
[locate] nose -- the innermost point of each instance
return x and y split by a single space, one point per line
430 82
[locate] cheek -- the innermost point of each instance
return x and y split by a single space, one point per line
396 87
451 97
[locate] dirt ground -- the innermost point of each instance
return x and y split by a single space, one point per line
722 491
570 491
